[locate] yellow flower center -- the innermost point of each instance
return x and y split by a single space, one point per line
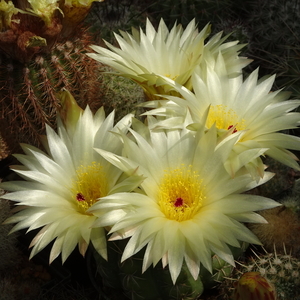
224 118
181 194
90 184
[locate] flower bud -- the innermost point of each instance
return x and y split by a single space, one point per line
76 10
69 111
252 286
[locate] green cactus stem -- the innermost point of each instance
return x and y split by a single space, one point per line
220 268
155 283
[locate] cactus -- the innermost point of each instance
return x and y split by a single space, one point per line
37 60
292 200
283 180
220 268
235 28
281 270
8 243
273 23
120 93
183 11
155 283
282 230
111 16
3 150
274 41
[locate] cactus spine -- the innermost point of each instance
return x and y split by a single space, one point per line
37 60
281 270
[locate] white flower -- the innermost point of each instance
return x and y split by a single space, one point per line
63 183
234 104
174 54
188 206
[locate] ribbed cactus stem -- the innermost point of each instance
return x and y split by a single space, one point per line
28 90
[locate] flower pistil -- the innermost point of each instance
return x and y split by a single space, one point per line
224 118
90 184
181 194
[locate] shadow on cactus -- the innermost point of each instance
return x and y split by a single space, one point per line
8 243
127 277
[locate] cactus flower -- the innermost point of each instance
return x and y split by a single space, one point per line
174 53
62 184
76 10
188 206
7 10
44 9
238 105
252 286
70 111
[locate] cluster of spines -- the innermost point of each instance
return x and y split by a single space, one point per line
29 90
282 270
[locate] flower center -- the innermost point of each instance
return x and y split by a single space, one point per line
181 194
89 184
224 118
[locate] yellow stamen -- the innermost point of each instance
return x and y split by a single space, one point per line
90 184
181 194
171 77
224 118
